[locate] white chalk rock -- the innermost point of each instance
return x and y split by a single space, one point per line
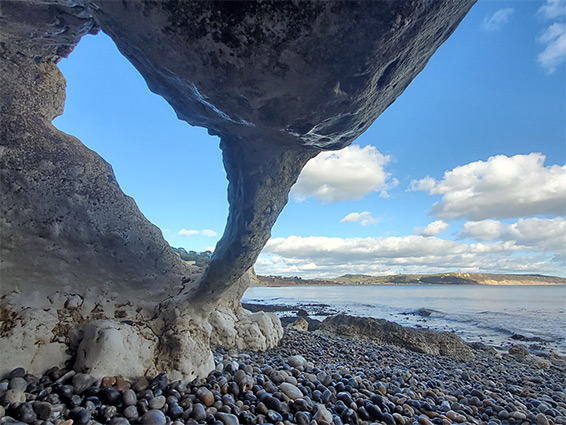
31 340
299 325
110 348
244 330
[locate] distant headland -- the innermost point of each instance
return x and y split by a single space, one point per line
415 279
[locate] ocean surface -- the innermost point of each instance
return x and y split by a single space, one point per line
476 313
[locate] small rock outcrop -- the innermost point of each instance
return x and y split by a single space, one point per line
385 332
277 81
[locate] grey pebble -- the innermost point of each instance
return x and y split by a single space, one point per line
141 384
119 421
25 413
130 398
43 410
81 381
198 413
297 361
131 412
291 391
157 402
14 396
154 417
228 418
18 383
18 372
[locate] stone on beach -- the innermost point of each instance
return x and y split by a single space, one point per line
386 332
342 381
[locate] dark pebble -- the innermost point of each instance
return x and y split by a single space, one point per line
80 416
159 382
198 413
228 419
109 395
154 417
119 421
25 413
43 410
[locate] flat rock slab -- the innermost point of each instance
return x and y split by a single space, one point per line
386 332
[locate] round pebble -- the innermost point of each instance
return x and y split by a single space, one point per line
154 417
290 391
333 380
157 402
18 384
129 397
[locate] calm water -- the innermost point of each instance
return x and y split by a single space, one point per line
490 314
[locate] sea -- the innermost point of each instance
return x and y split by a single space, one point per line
496 315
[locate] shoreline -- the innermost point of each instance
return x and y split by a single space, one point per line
308 377
289 284
536 345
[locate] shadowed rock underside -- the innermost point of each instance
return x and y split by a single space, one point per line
277 81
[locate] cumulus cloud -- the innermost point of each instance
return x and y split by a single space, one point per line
501 187
539 234
344 175
365 218
497 20
330 256
554 36
433 229
204 232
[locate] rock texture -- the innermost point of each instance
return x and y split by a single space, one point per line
277 81
65 223
385 332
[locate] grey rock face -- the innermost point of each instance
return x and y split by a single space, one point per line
277 81
386 332
65 223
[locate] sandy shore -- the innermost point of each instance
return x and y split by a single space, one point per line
309 379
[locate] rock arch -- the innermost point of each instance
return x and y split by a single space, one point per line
277 81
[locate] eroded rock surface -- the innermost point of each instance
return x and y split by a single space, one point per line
277 81
385 332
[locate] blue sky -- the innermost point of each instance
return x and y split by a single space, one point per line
464 172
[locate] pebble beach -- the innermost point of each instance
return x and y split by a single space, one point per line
309 379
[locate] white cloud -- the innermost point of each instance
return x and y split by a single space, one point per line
554 54
185 232
209 233
539 234
344 175
553 9
501 187
365 218
554 36
433 229
484 230
495 21
204 232
426 184
319 256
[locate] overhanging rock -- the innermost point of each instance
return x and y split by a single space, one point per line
278 81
